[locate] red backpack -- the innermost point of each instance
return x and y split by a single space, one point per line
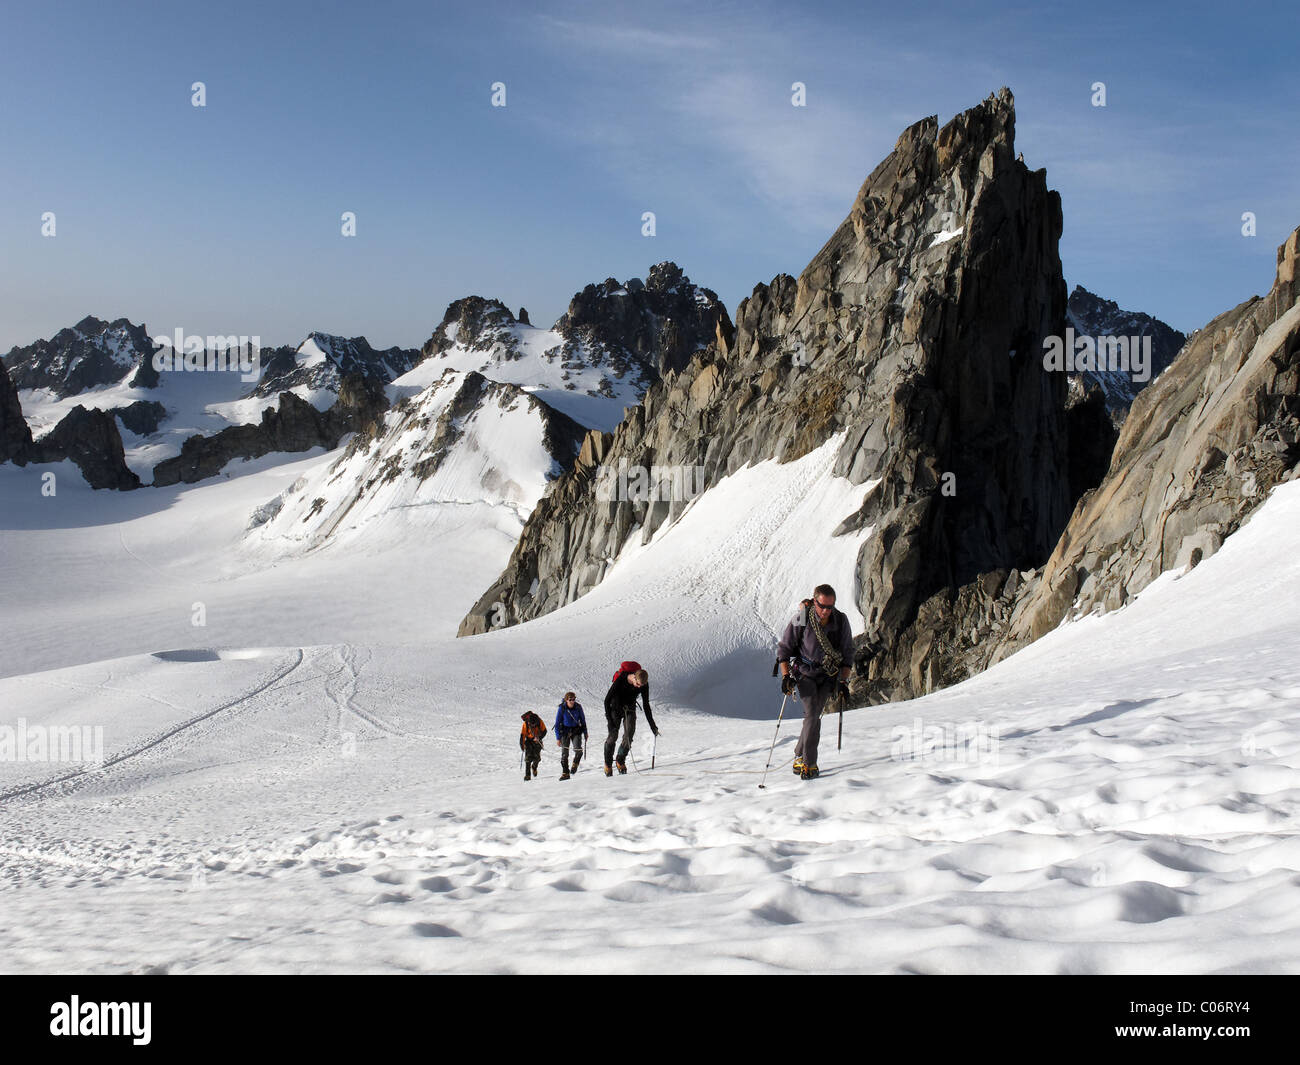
625 668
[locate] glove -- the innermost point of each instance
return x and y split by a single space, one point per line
655 731
787 685
844 691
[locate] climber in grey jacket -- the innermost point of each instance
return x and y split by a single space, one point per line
815 657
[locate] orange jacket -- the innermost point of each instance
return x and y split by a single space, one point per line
533 730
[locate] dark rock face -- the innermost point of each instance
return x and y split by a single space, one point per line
89 355
659 323
142 417
295 426
87 437
1199 452
15 433
917 332
1093 316
1092 431
285 367
91 440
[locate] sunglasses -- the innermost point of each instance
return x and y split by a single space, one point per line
822 606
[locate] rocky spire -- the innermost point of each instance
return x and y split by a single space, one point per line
916 332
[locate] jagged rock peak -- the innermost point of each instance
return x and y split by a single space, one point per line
1092 316
477 324
659 322
913 336
323 361
88 355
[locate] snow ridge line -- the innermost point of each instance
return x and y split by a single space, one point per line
80 775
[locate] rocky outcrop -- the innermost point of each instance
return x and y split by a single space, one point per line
142 417
89 355
15 433
292 427
917 333
1092 429
659 322
86 436
89 437
323 361
476 324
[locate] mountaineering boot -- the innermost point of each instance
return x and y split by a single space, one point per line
528 772
621 767
808 772
798 766
608 771
564 775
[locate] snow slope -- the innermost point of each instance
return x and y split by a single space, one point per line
322 779
586 382
458 444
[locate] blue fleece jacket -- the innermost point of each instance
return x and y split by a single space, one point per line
566 718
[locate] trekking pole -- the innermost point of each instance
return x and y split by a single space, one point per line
774 734
654 747
839 741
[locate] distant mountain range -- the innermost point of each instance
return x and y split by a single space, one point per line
599 358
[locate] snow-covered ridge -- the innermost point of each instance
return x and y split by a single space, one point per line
322 360
462 441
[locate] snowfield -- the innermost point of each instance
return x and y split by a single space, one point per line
321 778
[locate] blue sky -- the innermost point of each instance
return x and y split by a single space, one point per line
226 219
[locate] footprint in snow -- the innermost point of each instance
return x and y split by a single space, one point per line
429 930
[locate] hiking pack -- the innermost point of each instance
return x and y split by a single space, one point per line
625 668
534 728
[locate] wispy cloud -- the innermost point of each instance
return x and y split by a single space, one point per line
719 97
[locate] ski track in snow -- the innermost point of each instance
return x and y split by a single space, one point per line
356 805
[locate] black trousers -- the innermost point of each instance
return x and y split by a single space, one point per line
627 722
